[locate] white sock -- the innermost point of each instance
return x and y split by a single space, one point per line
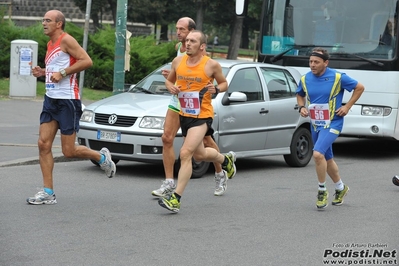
221 174
322 186
339 185
170 180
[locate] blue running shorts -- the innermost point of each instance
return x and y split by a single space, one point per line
66 112
323 138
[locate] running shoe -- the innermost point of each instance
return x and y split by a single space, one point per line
230 167
108 165
339 196
395 180
322 197
42 197
171 203
221 184
165 190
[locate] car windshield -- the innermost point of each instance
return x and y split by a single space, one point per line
154 83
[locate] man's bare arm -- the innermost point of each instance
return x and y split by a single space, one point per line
171 80
72 47
213 69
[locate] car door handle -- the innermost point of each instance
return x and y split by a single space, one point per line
263 111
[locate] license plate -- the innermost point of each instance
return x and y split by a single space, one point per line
109 135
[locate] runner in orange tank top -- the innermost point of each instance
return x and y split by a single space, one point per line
191 78
172 124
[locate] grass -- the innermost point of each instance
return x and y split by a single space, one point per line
88 94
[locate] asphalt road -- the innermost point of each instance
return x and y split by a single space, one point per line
266 217
19 127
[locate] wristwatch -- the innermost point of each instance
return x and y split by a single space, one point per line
217 90
63 72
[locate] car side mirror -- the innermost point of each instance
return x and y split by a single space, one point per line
237 97
234 97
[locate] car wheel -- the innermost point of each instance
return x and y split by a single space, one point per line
199 168
96 163
301 148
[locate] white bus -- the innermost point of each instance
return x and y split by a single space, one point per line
360 36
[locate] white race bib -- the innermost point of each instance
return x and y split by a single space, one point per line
189 102
49 84
319 114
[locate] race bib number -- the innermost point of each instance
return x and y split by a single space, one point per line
319 114
189 102
49 84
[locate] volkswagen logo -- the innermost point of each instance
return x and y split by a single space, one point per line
112 119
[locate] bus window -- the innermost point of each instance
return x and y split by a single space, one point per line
353 27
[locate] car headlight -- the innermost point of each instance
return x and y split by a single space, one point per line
152 122
376 111
87 116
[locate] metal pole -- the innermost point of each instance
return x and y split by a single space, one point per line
120 47
85 36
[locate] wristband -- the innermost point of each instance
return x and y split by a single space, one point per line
300 108
217 90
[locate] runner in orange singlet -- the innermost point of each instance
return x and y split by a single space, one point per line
191 79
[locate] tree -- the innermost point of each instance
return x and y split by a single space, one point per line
97 9
153 12
199 18
235 38
210 16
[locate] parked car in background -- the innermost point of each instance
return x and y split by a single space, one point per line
257 116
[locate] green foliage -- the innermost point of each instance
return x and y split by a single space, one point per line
10 32
74 31
146 55
88 94
35 33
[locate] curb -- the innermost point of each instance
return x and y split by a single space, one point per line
58 158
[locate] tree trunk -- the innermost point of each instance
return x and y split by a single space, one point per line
164 33
112 5
199 20
96 21
245 35
236 38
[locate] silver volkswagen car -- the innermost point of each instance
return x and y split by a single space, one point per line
257 116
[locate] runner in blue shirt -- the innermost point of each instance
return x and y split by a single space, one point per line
319 96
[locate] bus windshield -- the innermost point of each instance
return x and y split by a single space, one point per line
365 28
